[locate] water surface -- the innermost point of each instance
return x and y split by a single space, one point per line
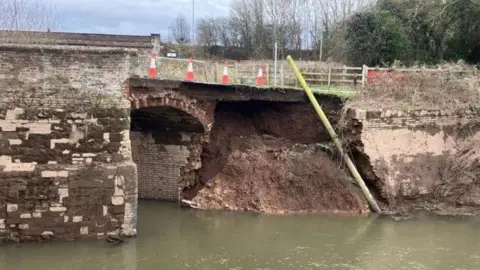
174 238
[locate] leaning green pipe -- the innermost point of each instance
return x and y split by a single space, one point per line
334 136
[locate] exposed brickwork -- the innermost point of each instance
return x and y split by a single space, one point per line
160 166
65 161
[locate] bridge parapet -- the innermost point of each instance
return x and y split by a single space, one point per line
79 39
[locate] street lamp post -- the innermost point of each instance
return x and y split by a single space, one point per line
193 22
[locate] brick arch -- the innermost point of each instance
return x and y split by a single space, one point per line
188 151
201 110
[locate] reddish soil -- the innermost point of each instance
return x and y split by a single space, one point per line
264 157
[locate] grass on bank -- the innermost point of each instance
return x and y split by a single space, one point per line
461 174
420 90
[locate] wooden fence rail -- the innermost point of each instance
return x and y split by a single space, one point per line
315 73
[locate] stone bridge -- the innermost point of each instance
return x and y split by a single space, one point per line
82 137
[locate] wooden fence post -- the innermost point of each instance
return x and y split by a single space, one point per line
205 72
329 76
364 74
267 74
296 81
236 73
282 76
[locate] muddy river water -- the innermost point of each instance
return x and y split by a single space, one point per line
174 238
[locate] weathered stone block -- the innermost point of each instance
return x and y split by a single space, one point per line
115 137
118 200
12 207
9 135
58 209
77 219
116 209
26 215
38 141
49 174
113 147
84 230
40 156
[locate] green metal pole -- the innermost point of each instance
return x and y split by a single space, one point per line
336 140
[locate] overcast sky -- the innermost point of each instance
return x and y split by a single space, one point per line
137 17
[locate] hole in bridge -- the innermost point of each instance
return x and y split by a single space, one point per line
160 139
166 119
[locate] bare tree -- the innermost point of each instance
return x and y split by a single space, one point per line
180 30
207 31
257 9
223 31
242 25
255 25
328 21
28 15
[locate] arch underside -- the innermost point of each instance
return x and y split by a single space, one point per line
164 119
162 138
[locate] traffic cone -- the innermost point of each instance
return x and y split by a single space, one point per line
152 71
190 76
225 77
260 78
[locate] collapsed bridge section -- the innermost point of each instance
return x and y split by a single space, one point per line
237 159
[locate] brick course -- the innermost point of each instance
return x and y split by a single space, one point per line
160 166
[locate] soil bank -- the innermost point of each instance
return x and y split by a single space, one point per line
274 158
277 158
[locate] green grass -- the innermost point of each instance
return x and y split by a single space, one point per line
337 92
342 92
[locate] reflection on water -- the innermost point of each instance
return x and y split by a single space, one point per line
174 238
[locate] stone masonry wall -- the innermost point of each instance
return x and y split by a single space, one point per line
79 39
160 166
407 149
65 160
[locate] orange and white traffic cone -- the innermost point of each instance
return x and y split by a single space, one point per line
260 78
152 71
225 77
190 76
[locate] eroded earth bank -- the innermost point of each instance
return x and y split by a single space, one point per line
277 158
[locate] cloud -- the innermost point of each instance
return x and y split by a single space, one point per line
134 17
